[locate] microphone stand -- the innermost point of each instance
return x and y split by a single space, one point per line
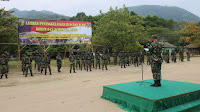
141 82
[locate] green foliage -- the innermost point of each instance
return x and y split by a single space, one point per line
165 34
8 30
115 31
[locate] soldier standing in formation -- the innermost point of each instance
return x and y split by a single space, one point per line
72 62
28 64
83 61
78 60
123 62
173 54
167 56
59 62
136 58
23 64
92 60
115 58
3 66
47 64
188 55
108 57
155 50
97 57
132 57
148 58
104 61
88 61
7 60
120 59
181 53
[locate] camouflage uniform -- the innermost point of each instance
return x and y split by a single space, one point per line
188 56
120 54
108 57
59 62
39 62
3 68
7 60
82 61
132 57
167 56
136 58
28 65
123 61
72 62
88 62
115 58
148 58
155 50
78 60
42 64
47 64
23 65
97 57
92 59
104 61
181 55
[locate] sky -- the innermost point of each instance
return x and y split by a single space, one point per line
93 7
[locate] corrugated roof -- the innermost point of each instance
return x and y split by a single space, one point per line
167 44
191 46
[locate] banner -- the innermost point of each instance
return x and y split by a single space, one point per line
54 32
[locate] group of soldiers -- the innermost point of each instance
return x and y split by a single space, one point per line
86 61
42 62
4 58
166 55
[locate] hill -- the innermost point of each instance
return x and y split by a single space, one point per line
37 14
175 13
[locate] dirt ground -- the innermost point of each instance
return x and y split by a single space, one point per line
80 92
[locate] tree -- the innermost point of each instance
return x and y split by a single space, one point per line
115 31
8 30
165 34
190 34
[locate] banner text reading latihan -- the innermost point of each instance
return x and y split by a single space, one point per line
54 32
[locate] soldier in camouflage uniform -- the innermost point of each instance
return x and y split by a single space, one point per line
42 64
167 56
78 60
3 68
83 61
47 63
188 55
72 62
92 59
104 61
148 58
173 55
115 58
7 60
132 57
123 61
155 50
127 59
120 58
108 57
97 57
136 58
36 56
28 65
88 61
23 64
39 62
59 62
181 53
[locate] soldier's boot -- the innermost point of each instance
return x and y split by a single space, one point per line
124 66
31 74
74 71
106 68
70 71
154 83
159 84
26 75
1 76
6 76
99 66
45 72
50 72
